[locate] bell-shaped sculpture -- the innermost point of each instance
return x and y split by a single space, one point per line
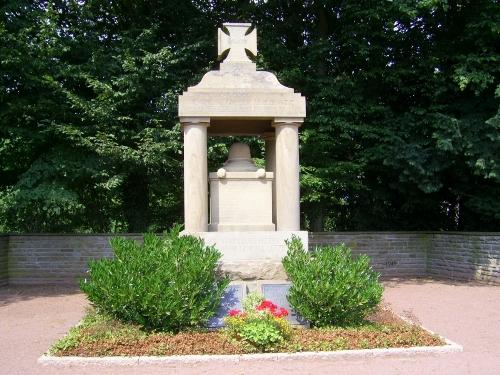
239 159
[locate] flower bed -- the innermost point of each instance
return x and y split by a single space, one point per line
99 335
151 299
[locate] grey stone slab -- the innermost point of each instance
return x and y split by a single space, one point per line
277 293
232 299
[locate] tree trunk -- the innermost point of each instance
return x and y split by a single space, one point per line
136 202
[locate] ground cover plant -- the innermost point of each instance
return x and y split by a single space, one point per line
101 335
169 283
329 286
262 324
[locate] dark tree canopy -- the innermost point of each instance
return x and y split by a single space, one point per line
402 133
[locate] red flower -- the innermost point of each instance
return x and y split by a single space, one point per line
234 312
280 313
273 309
267 305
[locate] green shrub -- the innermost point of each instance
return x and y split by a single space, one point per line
329 286
169 283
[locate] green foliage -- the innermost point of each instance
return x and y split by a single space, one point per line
70 341
258 327
330 287
88 109
402 131
95 327
402 126
252 300
169 283
261 333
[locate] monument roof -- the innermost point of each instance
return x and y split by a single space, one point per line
238 90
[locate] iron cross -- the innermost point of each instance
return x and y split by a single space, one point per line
237 41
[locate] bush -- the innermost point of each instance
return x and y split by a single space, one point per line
261 324
169 283
329 286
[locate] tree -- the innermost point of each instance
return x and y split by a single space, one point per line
91 98
402 131
402 127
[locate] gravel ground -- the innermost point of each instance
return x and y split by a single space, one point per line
31 318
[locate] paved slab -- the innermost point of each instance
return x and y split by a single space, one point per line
31 318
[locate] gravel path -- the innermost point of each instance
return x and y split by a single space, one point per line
31 318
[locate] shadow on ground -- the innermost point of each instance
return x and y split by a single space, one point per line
16 293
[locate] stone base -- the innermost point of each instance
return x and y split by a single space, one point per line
252 255
254 270
241 227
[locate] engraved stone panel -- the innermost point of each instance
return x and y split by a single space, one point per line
277 293
232 299
241 201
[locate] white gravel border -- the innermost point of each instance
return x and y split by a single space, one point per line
46 359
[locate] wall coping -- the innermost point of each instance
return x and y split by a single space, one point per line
406 232
70 234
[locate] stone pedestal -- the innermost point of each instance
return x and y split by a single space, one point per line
252 255
241 201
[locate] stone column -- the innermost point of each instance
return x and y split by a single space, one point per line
270 154
287 174
195 174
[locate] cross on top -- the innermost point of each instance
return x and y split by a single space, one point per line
237 41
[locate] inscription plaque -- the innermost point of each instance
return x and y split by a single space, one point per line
277 293
231 299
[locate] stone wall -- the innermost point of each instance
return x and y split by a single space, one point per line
466 256
4 260
392 254
461 256
54 259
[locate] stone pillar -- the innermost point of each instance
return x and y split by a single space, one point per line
287 174
270 154
195 174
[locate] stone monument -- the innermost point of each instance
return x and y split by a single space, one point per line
252 211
